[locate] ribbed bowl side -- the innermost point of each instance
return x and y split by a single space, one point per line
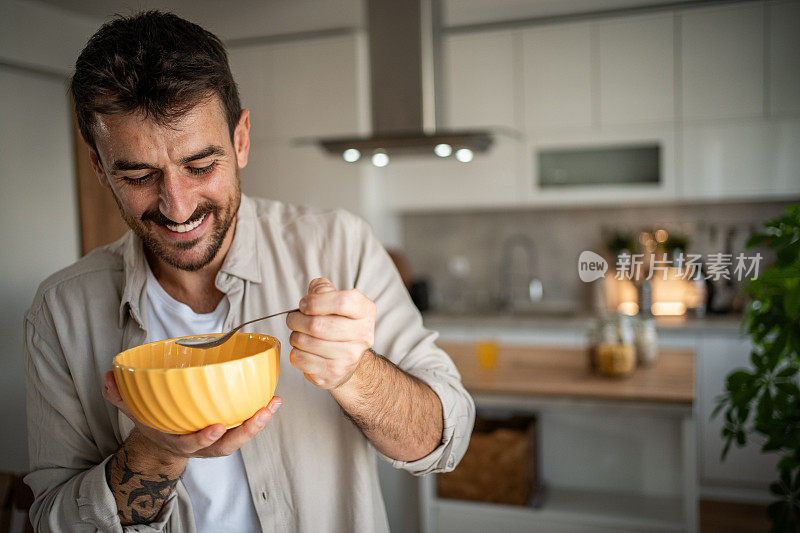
168 400
178 399
137 396
197 402
239 390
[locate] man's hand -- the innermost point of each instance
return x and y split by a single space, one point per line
145 469
213 441
331 333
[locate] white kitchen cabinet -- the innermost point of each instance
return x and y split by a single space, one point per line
746 467
304 88
611 136
636 69
557 76
490 180
784 57
479 80
722 62
741 159
303 175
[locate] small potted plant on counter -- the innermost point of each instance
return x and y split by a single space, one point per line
764 399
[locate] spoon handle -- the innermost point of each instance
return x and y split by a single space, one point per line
220 340
234 330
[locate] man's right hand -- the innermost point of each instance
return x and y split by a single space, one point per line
147 466
213 441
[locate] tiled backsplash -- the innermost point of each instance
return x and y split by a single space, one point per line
461 253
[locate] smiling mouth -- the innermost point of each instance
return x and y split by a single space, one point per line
183 228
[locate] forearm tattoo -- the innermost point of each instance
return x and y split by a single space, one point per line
139 497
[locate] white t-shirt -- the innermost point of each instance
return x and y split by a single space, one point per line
218 486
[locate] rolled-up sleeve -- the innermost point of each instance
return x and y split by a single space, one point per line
401 337
67 474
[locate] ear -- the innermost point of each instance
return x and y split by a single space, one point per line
97 166
241 138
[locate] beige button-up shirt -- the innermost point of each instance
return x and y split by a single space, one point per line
310 469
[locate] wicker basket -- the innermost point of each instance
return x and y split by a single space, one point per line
500 465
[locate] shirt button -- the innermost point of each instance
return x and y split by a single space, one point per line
264 495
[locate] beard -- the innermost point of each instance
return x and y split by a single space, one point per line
173 253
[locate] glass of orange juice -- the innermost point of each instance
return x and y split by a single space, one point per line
486 350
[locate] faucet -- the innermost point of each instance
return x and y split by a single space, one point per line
509 287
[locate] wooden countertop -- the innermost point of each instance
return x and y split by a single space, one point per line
564 372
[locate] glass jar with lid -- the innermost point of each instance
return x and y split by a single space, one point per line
612 345
646 340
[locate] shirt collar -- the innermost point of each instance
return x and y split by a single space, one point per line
241 261
243 257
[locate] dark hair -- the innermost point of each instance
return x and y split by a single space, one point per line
155 63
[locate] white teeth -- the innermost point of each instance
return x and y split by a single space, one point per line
183 228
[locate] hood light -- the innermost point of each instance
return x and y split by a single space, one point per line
380 158
464 155
351 155
443 150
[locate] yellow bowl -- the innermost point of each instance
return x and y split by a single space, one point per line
177 389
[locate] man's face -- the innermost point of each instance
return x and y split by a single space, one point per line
177 186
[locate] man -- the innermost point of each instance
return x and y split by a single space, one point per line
159 109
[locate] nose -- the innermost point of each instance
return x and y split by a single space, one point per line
176 197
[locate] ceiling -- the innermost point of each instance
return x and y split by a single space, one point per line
466 12
235 19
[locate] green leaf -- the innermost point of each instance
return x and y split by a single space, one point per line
787 463
789 249
778 512
764 410
726 448
740 388
788 372
757 239
791 301
777 489
786 478
742 414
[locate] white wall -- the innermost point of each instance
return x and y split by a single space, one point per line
38 225
39 35
39 230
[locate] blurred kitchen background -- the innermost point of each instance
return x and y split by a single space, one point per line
616 126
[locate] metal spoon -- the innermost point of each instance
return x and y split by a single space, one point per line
204 341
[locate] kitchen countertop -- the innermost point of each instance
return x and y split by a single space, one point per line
564 372
711 323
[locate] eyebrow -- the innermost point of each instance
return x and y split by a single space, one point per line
124 164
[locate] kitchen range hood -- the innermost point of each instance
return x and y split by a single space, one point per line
404 56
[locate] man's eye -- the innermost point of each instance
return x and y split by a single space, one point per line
203 170
139 181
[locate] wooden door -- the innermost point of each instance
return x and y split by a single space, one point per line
100 220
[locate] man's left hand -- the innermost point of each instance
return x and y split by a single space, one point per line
331 333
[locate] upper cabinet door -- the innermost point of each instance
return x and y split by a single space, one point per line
557 77
784 57
303 88
636 63
723 62
741 159
479 80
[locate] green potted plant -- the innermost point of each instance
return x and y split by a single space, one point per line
764 399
